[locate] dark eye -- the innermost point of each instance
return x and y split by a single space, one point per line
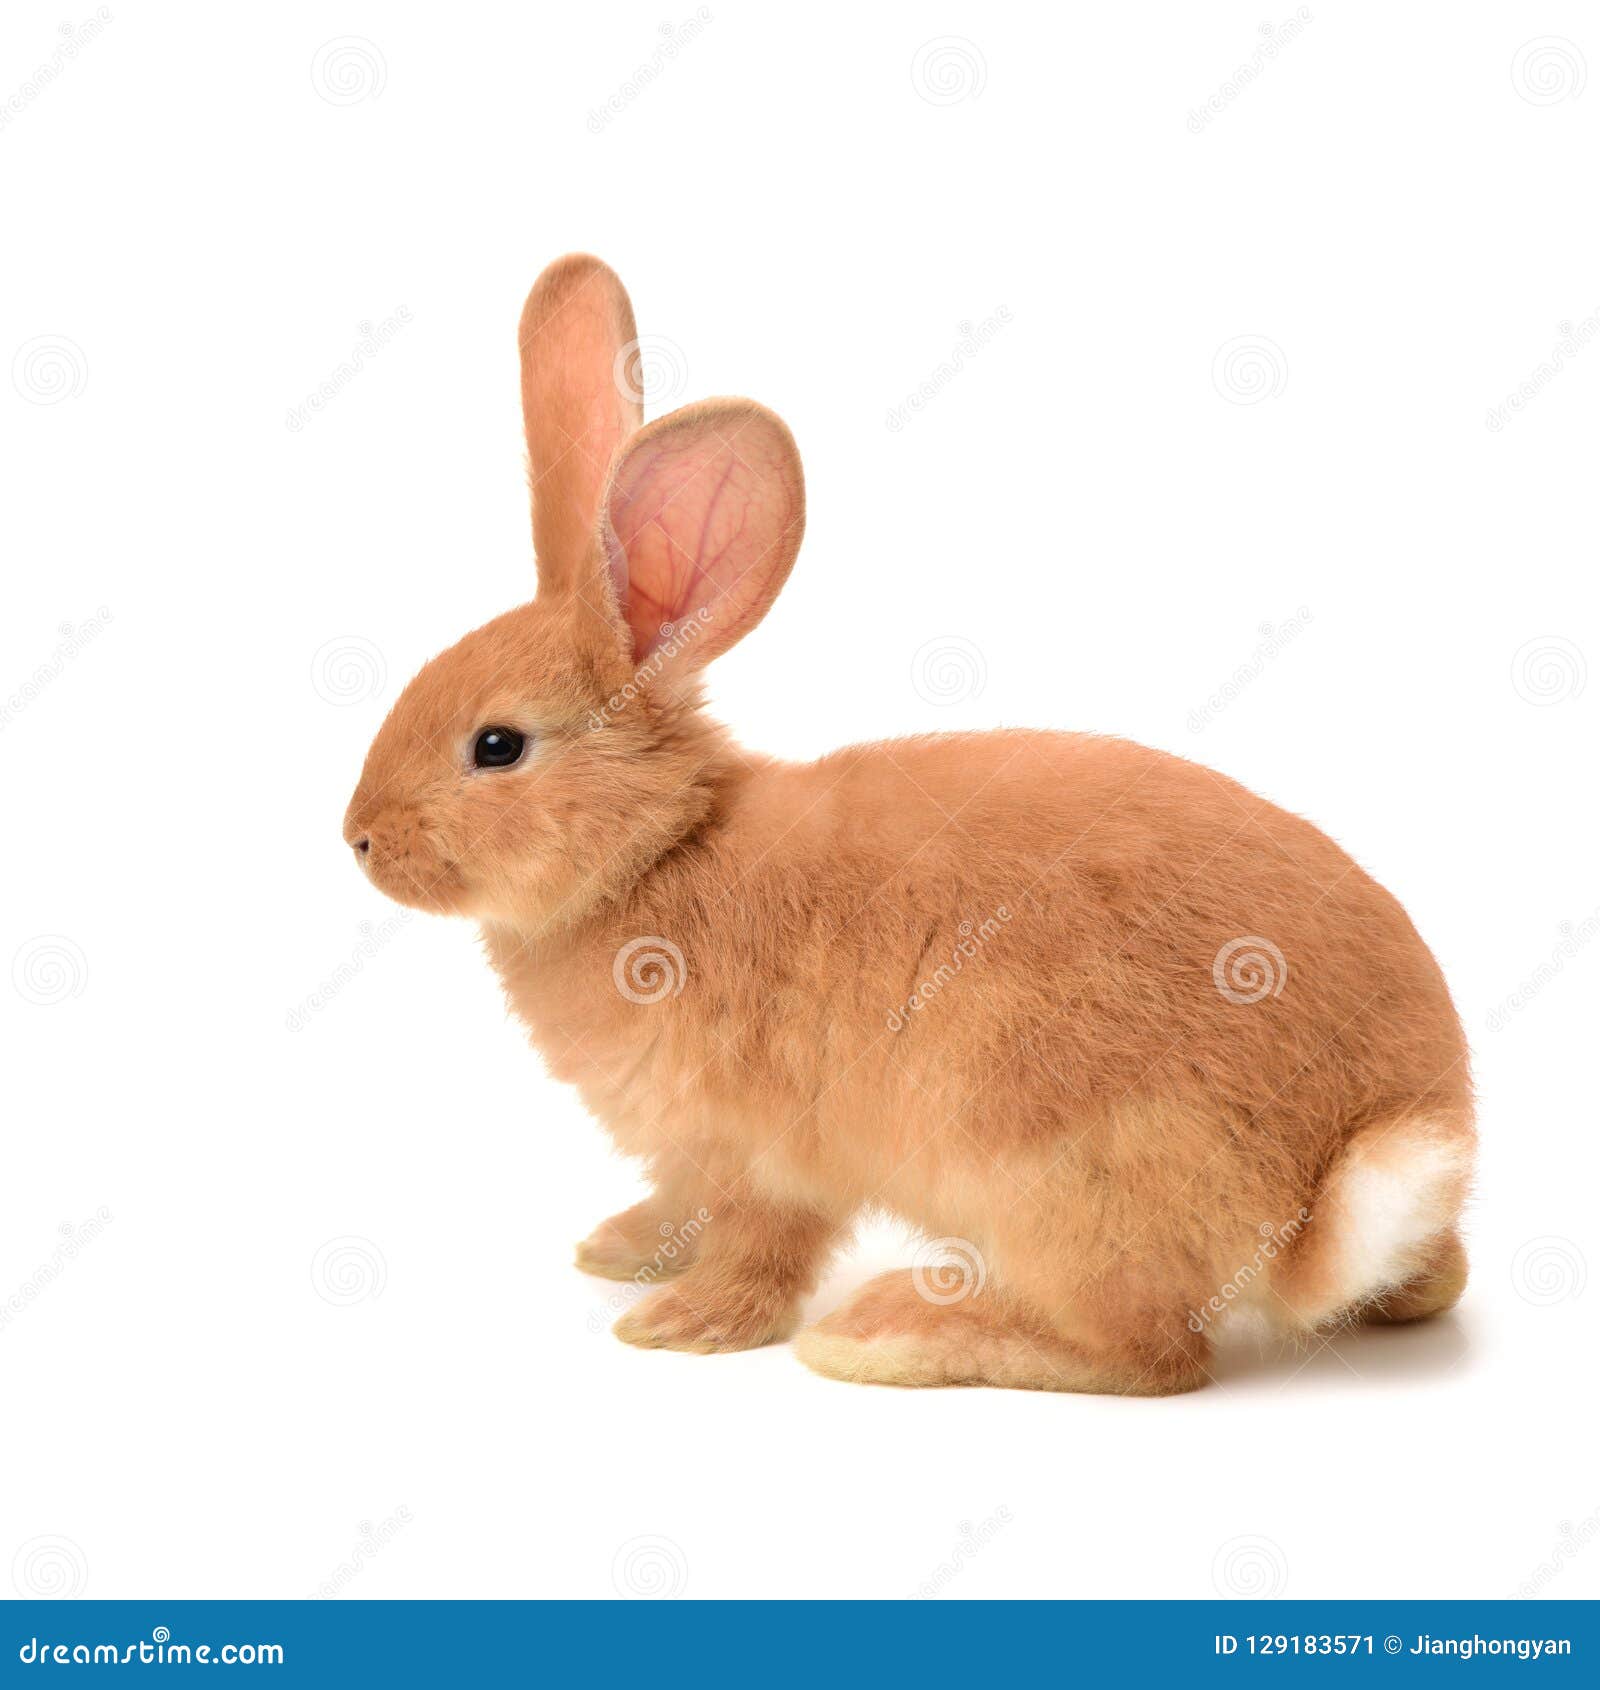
497 748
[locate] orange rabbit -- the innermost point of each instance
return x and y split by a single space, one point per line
1138 1047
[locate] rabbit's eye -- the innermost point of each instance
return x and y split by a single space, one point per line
497 748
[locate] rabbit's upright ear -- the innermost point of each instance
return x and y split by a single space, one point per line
577 406
701 522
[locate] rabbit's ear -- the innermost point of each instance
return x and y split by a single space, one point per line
577 406
701 523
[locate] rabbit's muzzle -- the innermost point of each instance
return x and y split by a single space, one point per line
404 859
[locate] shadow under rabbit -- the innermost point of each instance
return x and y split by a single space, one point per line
1409 1353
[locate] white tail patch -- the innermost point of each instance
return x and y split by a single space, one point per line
1390 1195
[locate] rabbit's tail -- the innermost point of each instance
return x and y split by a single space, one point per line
1382 1240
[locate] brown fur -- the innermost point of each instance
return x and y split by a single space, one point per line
1077 1099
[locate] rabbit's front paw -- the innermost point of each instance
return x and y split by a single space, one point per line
708 1319
642 1243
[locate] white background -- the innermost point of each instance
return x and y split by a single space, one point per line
1395 215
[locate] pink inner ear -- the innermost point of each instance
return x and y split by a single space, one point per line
704 514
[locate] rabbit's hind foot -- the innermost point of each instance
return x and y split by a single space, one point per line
893 1333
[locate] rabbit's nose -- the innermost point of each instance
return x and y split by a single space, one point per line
363 845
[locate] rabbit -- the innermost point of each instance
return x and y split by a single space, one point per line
1136 1048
